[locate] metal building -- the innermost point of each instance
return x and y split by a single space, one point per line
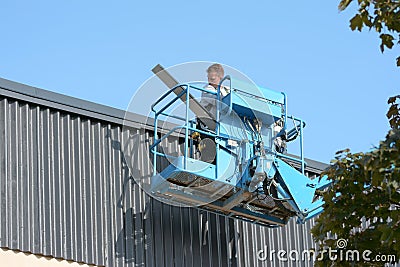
66 193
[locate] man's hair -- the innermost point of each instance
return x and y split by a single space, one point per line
216 68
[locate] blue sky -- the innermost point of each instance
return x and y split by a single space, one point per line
337 80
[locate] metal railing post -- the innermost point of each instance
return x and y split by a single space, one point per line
155 147
186 127
301 147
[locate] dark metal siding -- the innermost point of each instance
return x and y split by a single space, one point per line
66 192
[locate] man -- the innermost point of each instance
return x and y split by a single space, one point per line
205 145
215 73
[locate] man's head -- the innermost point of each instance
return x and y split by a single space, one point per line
215 73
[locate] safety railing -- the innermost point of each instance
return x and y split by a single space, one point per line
188 124
296 130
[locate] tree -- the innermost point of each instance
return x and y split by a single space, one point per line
363 204
381 15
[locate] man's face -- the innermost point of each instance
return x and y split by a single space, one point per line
213 78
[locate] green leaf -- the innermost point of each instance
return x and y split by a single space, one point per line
392 111
367 19
392 99
356 23
398 62
387 40
344 4
346 150
378 25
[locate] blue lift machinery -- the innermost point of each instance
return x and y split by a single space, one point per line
234 162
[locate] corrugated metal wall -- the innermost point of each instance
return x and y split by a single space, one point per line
66 192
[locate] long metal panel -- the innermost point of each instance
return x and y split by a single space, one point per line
66 192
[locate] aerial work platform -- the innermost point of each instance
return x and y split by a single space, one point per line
233 164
